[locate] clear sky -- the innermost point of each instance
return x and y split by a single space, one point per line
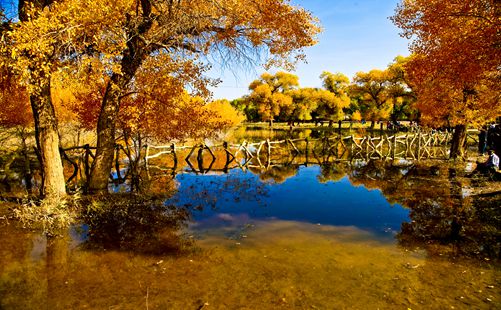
357 36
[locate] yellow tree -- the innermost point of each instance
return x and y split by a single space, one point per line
374 96
304 102
47 37
37 81
455 66
331 107
270 94
156 109
123 34
232 30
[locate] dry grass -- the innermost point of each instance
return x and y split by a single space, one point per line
50 215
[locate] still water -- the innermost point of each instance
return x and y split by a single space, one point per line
350 236
242 197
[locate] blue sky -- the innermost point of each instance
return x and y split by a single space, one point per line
357 36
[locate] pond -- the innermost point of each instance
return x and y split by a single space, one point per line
342 235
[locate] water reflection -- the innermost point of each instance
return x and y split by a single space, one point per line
456 227
426 205
135 223
287 193
444 217
312 230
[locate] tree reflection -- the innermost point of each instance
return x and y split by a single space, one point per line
445 218
463 226
332 172
279 174
135 223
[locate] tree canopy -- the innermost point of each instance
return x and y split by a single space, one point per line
456 61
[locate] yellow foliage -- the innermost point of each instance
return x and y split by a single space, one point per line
356 116
224 112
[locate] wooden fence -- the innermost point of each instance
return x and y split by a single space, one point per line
306 151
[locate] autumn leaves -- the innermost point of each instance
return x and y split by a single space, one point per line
138 57
457 57
376 95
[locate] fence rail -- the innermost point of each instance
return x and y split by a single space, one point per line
268 153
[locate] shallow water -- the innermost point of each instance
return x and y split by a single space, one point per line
272 265
349 234
297 238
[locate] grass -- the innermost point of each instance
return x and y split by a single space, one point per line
50 215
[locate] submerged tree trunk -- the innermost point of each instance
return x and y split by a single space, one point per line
47 139
458 142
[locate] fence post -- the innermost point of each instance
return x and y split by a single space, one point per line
86 162
268 149
173 149
307 151
394 148
419 146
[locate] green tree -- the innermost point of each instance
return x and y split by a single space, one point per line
400 89
247 108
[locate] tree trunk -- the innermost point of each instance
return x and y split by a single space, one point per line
373 124
101 166
46 134
47 139
133 56
27 166
458 141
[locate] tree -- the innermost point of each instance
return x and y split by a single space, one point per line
15 112
47 38
401 91
304 102
224 115
270 94
36 75
156 109
246 107
372 90
185 29
456 61
331 106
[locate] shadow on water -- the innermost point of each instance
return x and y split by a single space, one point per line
135 223
447 217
